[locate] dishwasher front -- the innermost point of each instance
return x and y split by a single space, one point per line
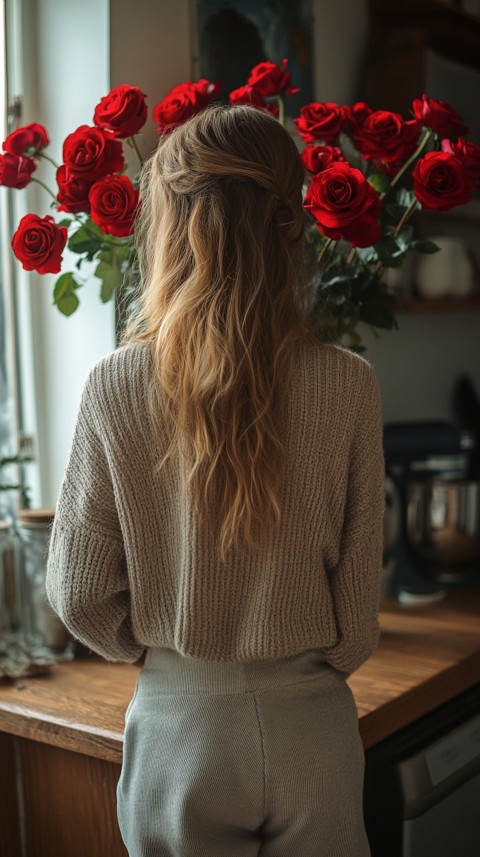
422 785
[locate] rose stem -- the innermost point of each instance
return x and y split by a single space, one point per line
107 239
411 159
281 109
324 249
406 214
48 158
351 256
37 181
134 146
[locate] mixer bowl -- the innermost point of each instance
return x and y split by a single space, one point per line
443 523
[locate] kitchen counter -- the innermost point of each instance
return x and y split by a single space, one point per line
426 656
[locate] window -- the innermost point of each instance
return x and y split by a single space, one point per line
10 399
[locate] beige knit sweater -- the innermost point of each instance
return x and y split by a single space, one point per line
128 568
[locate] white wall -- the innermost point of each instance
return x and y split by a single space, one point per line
150 47
75 53
66 49
340 39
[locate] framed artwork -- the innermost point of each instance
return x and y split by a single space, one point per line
232 36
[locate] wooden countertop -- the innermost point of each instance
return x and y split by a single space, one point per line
426 656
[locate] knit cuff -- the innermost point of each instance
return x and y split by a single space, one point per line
87 586
356 595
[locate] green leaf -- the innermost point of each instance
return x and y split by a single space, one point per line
424 246
84 241
65 284
94 229
65 222
64 296
106 255
367 255
378 310
390 252
380 182
404 238
67 304
111 277
405 197
394 211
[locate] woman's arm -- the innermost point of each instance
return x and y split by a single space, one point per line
87 581
356 581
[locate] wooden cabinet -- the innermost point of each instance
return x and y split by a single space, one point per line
61 738
56 803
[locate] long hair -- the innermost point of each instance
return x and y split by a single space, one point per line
220 252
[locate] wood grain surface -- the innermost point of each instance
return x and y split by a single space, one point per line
10 836
69 803
79 706
426 656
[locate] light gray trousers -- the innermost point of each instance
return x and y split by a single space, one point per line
256 759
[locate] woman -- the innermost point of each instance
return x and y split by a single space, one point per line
222 511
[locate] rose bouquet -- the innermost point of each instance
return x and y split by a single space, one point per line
367 172
371 170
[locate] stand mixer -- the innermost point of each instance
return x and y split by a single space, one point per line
432 519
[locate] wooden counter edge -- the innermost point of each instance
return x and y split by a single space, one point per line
374 726
384 721
68 735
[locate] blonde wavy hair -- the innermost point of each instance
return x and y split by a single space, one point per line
220 243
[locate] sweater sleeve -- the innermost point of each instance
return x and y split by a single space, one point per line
356 581
87 582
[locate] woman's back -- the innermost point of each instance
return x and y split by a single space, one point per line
299 589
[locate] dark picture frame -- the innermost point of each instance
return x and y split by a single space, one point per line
231 36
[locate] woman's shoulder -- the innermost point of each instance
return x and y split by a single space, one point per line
336 360
122 374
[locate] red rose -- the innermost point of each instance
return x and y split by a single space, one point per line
247 95
38 243
442 118
27 140
207 90
73 191
113 203
252 96
386 136
92 153
271 79
183 102
344 205
123 111
16 170
318 158
441 182
469 154
320 121
356 115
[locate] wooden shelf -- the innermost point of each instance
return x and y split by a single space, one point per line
441 306
469 213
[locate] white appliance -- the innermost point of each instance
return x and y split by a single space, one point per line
422 785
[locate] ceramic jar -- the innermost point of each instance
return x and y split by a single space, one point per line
45 635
